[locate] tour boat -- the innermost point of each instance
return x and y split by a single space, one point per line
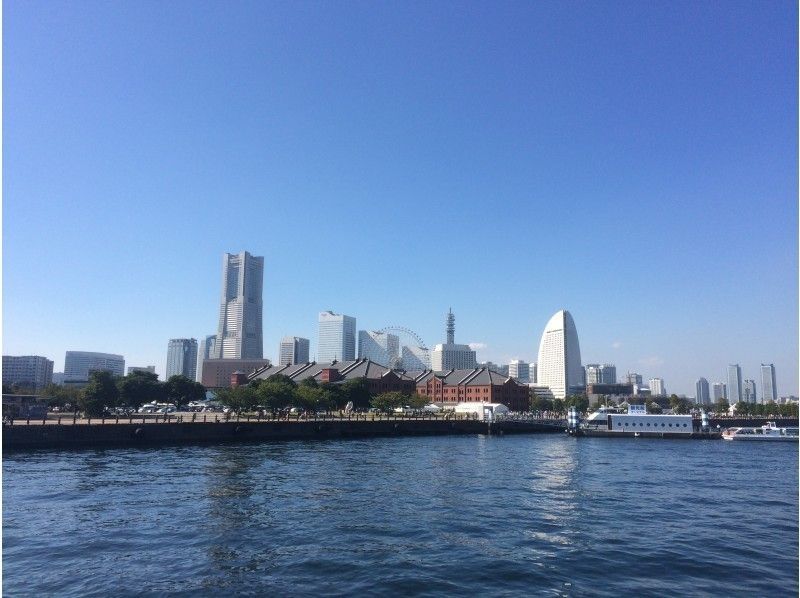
769 431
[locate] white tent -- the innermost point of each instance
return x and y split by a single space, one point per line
482 411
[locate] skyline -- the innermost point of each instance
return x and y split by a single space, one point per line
390 165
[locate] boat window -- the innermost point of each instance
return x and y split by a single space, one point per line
662 424
670 425
684 425
648 424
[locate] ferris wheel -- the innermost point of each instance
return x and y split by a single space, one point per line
410 353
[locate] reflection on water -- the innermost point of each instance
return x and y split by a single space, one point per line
455 515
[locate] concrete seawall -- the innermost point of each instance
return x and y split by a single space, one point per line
35 436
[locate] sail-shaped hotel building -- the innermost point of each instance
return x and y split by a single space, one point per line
559 366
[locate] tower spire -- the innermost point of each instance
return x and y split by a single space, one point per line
451 327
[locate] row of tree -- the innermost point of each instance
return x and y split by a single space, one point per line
541 404
106 391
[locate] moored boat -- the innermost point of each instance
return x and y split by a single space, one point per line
768 432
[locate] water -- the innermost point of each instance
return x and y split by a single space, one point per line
537 514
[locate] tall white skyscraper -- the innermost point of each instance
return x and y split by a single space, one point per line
451 356
381 347
749 395
240 330
182 358
734 384
204 351
559 364
657 388
337 337
701 392
520 371
769 391
294 350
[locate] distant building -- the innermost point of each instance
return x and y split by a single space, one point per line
337 337
734 388
533 373
520 371
182 358
634 379
217 372
136 368
559 364
78 364
657 388
749 391
473 385
240 330
58 377
701 392
769 390
294 349
380 347
719 391
27 371
601 374
415 358
615 392
204 351
449 355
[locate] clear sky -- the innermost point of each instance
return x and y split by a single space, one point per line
632 162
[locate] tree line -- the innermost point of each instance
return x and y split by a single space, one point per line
106 391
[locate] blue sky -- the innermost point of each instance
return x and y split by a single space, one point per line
633 162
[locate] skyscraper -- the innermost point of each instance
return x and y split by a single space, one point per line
701 392
205 351
734 384
520 370
634 379
720 392
27 371
451 356
749 391
559 364
415 358
240 330
337 337
381 347
769 391
657 388
294 350
78 364
182 358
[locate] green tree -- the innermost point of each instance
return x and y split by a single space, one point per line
653 407
276 392
61 396
559 406
416 401
308 397
388 401
721 406
101 393
580 402
239 399
140 387
540 403
356 390
180 390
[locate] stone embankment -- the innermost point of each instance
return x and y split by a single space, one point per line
129 432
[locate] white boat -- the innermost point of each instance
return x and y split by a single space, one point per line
768 432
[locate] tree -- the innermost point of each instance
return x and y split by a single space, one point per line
388 401
417 401
180 390
356 390
653 407
721 406
558 405
580 402
308 396
239 398
100 394
61 396
140 387
276 392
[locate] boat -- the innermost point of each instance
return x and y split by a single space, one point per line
768 432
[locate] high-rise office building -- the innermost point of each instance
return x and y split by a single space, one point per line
27 371
601 374
240 330
533 373
592 375
734 384
719 391
657 388
749 389
337 337
520 371
204 351
701 392
182 358
78 364
294 350
769 391
559 363
634 379
381 347
150 369
451 356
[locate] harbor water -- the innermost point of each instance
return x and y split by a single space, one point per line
466 515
